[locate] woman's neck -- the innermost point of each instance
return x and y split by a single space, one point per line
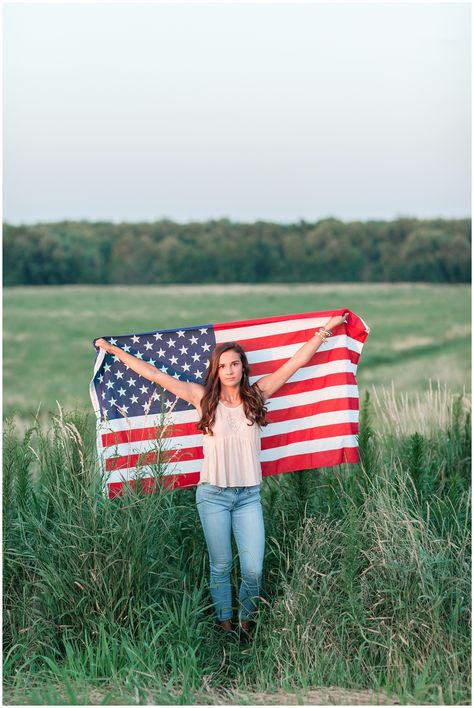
230 394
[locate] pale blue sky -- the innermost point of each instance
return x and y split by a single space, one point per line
280 112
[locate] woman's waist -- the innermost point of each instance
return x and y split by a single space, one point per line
213 443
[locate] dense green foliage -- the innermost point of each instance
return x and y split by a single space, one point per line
406 249
367 574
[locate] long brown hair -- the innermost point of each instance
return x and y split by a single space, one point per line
252 398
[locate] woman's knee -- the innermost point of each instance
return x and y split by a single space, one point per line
221 569
252 574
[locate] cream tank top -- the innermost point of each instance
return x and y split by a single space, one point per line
232 453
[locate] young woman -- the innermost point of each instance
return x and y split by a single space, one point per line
231 413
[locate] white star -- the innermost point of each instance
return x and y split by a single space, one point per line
164 369
133 399
161 352
113 341
203 330
116 358
139 355
135 339
126 348
206 347
198 374
171 342
155 396
184 350
180 333
186 367
107 367
168 404
101 378
176 375
152 362
103 394
110 384
173 360
148 345
144 389
193 340
157 336
118 374
146 407
131 382
121 391
123 410
112 402
196 357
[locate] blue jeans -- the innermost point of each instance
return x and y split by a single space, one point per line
220 510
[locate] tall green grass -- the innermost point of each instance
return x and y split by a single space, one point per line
366 572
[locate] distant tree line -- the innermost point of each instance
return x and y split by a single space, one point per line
219 251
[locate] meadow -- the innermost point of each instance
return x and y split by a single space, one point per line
419 332
367 572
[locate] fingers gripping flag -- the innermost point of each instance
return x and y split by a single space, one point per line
144 431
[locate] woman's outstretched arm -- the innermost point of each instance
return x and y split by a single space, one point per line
188 391
272 382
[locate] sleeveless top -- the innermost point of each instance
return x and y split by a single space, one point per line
232 453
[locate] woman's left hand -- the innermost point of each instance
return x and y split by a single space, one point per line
336 320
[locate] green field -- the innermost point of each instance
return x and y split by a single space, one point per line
367 569
418 333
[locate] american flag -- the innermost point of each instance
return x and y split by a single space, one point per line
145 432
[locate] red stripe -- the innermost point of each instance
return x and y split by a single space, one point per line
151 433
261 368
333 404
150 458
313 433
150 484
278 318
280 340
294 387
277 340
311 460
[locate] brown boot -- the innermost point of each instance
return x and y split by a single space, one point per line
247 628
226 625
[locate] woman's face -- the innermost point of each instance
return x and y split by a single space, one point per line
230 368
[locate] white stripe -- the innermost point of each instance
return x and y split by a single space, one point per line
141 446
323 394
150 421
92 391
309 446
310 421
256 331
340 366
367 328
255 356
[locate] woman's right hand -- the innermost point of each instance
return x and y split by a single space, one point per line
103 344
